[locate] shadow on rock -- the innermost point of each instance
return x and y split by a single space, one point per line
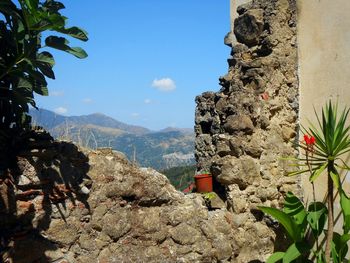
43 197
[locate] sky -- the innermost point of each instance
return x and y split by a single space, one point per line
148 60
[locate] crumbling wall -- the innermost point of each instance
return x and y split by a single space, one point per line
70 205
244 130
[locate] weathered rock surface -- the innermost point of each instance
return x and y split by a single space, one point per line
94 206
244 130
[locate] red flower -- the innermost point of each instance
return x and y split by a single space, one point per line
309 140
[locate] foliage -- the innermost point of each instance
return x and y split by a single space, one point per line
25 62
209 196
180 176
323 149
148 148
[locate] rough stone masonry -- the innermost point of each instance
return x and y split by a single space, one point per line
244 130
71 206
74 206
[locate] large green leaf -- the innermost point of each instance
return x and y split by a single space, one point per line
45 57
53 6
7 7
61 43
39 82
295 208
318 171
339 247
295 251
49 22
31 4
45 62
320 257
335 178
46 70
345 206
75 32
275 257
316 217
284 219
24 84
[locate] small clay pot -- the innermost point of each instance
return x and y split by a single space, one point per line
204 183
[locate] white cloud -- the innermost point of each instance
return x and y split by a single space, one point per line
60 110
147 101
164 84
87 100
56 93
135 115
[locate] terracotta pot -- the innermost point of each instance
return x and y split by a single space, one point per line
204 183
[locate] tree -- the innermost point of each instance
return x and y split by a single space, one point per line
25 62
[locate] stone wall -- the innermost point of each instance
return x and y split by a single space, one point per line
63 204
244 130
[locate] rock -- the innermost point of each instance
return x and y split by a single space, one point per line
240 123
228 40
117 224
249 26
23 180
255 114
236 146
87 243
62 233
33 249
231 170
241 9
239 205
288 133
180 214
216 202
184 234
223 249
147 219
222 146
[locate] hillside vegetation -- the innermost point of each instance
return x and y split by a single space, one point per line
157 149
181 177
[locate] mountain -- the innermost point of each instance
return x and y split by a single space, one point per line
182 130
49 120
162 149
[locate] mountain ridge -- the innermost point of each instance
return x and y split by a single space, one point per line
162 149
98 119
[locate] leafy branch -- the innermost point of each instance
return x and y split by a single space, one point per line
24 67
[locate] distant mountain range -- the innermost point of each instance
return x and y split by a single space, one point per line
162 149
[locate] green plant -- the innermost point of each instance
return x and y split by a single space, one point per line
25 62
209 196
202 172
323 149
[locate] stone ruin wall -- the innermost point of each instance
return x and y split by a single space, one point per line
243 130
73 206
93 206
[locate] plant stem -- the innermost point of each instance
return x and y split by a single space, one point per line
314 197
313 193
330 214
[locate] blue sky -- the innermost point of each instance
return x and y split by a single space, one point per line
148 59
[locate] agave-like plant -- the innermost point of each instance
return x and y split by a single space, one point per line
323 150
331 143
